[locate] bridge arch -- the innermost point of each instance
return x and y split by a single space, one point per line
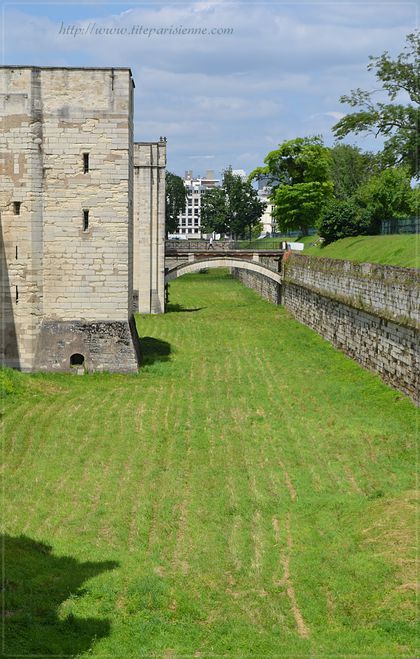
221 262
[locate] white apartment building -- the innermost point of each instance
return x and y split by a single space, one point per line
190 221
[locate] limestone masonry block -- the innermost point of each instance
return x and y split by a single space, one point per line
60 222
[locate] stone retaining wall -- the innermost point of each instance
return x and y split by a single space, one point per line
385 290
265 287
369 311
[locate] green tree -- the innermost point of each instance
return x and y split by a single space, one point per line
398 123
244 207
342 218
350 168
299 173
387 195
233 209
176 196
214 211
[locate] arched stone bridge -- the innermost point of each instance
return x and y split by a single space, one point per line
266 263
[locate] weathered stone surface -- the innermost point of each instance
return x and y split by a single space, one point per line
105 346
368 311
221 260
149 226
387 291
377 343
55 270
268 289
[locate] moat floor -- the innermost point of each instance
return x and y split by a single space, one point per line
249 493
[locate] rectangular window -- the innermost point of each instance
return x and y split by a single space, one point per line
17 295
16 207
85 163
16 252
85 220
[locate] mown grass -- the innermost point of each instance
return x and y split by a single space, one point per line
402 250
249 493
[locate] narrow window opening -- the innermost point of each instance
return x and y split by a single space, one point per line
85 163
17 295
16 252
85 220
16 207
77 359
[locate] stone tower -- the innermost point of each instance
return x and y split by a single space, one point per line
149 226
66 191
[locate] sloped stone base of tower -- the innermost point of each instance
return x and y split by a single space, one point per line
94 346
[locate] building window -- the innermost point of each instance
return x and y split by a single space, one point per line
16 207
17 295
16 255
85 163
85 220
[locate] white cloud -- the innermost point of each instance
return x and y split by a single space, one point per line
280 74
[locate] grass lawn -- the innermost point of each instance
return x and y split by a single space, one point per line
249 493
402 250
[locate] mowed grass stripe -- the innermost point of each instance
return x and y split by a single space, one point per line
253 486
66 467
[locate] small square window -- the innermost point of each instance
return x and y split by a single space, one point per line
16 207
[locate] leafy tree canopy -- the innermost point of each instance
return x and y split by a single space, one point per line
233 209
387 194
342 218
176 195
299 173
350 168
397 122
214 211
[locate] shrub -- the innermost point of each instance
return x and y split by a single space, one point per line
342 218
387 195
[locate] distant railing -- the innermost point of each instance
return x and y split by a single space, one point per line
222 245
405 225
226 245
263 243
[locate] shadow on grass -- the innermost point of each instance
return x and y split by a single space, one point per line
35 583
178 308
154 350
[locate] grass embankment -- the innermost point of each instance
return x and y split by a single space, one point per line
402 250
249 493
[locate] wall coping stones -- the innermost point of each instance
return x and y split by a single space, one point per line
386 291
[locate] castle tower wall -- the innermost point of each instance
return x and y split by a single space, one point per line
149 226
21 183
66 154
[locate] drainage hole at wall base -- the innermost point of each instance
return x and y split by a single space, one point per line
77 360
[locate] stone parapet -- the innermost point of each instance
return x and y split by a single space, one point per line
387 291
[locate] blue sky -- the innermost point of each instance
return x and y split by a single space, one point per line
222 99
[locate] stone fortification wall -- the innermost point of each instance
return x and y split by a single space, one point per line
268 289
368 311
387 291
149 226
66 163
